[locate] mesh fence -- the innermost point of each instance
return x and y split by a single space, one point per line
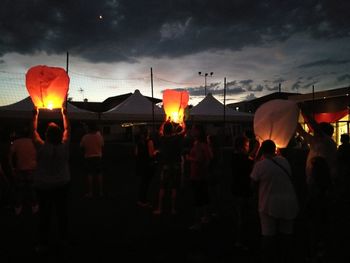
93 88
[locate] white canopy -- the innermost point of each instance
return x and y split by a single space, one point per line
210 109
23 109
134 108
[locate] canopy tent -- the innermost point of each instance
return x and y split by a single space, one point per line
210 109
134 108
23 109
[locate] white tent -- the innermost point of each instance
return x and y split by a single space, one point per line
210 109
23 109
134 108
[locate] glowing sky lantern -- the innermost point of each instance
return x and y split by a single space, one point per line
47 86
174 104
276 120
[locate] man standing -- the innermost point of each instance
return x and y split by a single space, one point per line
278 205
92 144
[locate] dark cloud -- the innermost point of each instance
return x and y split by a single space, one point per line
308 85
246 82
213 88
343 77
271 85
250 96
279 80
257 88
235 91
157 28
296 85
303 85
325 62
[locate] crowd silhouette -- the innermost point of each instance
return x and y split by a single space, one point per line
284 192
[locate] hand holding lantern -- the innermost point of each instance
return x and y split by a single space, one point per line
174 103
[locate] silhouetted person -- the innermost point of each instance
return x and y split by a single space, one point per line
23 161
170 165
199 158
6 182
254 144
145 165
92 144
214 175
242 166
343 161
278 205
321 143
317 207
52 177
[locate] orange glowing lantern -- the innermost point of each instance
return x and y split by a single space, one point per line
47 86
276 120
174 104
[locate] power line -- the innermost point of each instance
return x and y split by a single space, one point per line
104 78
178 83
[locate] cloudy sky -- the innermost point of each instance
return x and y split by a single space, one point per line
113 44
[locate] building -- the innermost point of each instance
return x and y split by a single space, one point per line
327 106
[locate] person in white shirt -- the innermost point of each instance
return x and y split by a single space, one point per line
278 205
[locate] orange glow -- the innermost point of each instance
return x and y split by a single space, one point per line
174 103
47 86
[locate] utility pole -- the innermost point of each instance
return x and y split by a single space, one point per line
224 101
67 69
152 99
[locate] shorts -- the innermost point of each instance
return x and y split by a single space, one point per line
271 226
93 165
170 176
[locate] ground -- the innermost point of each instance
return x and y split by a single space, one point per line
113 227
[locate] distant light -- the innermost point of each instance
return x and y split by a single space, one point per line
324 97
237 108
100 17
347 94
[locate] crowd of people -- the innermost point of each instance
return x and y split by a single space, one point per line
37 168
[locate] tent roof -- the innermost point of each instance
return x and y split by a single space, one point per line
24 108
211 108
135 107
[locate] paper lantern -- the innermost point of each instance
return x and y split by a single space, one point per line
47 86
174 104
276 120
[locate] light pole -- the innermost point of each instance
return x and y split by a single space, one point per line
205 75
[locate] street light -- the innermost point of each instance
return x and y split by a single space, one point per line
205 75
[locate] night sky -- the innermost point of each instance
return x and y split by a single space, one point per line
254 44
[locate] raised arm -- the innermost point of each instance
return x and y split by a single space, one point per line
36 135
309 119
66 125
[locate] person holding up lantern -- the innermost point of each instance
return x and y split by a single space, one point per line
321 143
170 162
52 177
